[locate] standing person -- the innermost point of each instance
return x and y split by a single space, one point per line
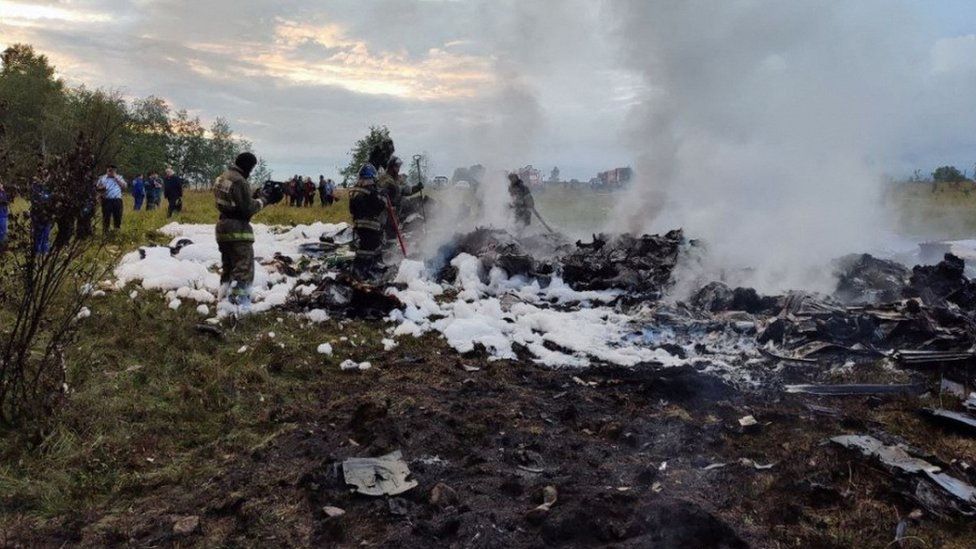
323 189
387 184
5 200
40 215
110 187
330 190
367 206
173 191
290 191
138 192
309 192
522 202
154 190
235 237
409 201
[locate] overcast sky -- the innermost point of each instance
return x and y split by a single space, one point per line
504 82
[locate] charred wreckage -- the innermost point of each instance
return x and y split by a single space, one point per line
917 321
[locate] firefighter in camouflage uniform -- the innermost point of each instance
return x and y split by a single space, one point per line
235 237
522 203
367 204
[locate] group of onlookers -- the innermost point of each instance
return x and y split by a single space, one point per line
109 191
300 191
148 190
153 188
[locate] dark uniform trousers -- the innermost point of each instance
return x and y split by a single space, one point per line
237 264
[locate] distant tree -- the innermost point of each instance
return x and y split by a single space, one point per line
554 175
34 103
43 119
188 147
220 149
148 136
101 117
359 154
261 173
948 174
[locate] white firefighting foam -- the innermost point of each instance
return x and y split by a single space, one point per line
555 325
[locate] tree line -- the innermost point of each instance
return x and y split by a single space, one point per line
942 174
43 118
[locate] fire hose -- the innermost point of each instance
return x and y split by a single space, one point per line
543 221
396 226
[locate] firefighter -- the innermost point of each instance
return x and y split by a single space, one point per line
522 202
389 186
235 237
367 204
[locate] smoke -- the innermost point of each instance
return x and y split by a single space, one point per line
763 127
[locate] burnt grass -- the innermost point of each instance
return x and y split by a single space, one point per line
496 436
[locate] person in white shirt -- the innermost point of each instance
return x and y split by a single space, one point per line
110 188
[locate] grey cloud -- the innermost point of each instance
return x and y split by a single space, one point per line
568 76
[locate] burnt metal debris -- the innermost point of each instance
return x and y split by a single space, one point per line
953 495
639 265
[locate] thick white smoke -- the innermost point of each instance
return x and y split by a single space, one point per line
763 127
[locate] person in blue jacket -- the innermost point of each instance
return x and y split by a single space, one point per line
4 216
138 192
40 216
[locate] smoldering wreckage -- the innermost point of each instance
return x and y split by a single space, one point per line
756 376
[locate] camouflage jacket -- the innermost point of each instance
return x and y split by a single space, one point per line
236 206
367 204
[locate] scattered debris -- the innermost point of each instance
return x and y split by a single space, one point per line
955 420
857 389
718 297
442 495
186 525
344 295
324 349
898 458
333 512
920 357
864 279
211 330
748 421
892 456
538 514
746 462
970 403
386 475
952 388
641 265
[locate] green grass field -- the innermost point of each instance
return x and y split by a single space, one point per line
934 211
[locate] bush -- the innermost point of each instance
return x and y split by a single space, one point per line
46 275
948 174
